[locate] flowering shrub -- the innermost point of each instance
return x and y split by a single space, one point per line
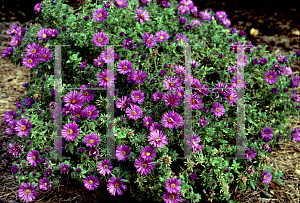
150 97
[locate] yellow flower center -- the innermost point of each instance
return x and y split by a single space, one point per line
142 16
172 84
179 94
90 182
70 132
172 185
230 97
86 94
73 101
34 158
123 153
170 120
265 177
90 113
193 101
30 61
139 78
105 166
157 97
44 35
119 3
270 77
239 81
133 113
148 40
204 17
157 139
125 67
220 16
64 169
44 55
33 51
147 123
117 185
144 165
105 79
161 37
137 97
67 111
45 184
100 39
77 115
187 4
99 15
27 191
91 141
182 11
217 110
23 127
172 197
16 42
148 154
99 63
38 9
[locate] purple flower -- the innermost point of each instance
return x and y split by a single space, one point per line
266 177
52 33
7 51
134 112
170 83
193 142
33 49
48 172
33 158
125 66
255 61
121 3
38 8
194 10
298 53
128 43
181 39
104 167
9 116
249 154
157 138
192 176
271 77
142 15
295 81
115 184
165 4
287 70
70 131
173 185
295 97
109 55
236 81
162 36
182 20
196 23
30 61
83 65
100 15
242 33
218 109
64 168
27 192
138 76
274 90
263 61
233 30
144 166
91 140
23 127
220 15
90 112
44 183
182 10
171 120
91 182
100 39
226 22
267 134
281 59
203 122
172 197
149 40
14 169
231 96
163 72
147 121
73 100
137 96
148 153
122 152
105 78
295 135
123 103
171 99
204 15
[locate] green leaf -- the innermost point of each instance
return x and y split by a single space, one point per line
279 181
279 174
266 186
252 184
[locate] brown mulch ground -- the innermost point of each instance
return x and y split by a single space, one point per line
278 27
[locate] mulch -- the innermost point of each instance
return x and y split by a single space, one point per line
278 26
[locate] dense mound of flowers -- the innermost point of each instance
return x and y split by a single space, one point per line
150 76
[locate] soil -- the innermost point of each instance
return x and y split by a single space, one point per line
278 25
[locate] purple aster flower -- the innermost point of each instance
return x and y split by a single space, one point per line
10 130
83 65
48 172
171 83
226 22
99 61
203 89
255 61
182 20
70 131
90 112
238 47
100 15
167 5
128 43
91 140
33 158
149 40
196 23
242 33
33 49
266 134
204 15
171 120
195 102
173 185
87 94
15 149
188 3
295 81
30 61
232 69
100 39
263 61
249 154
180 92
162 36
155 126
23 127
12 29
7 51
106 78
148 153
109 55
123 103
231 96
43 34
27 192
125 66
179 70
73 100
287 70
45 55
9 116
77 113
220 15
142 15
38 8
157 138
91 182
44 183
52 33
121 3
182 10
181 39
147 121
134 112
265 146
297 53
105 167
274 90
116 184
295 135
193 176
237 81
218 109
139 76
14 169
137 96
64 168
122 152
171 99
203 122
194 10
157 96
266 177
172 197
143 166
193 141
271 77
163 72
189 27
281 59
295 97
